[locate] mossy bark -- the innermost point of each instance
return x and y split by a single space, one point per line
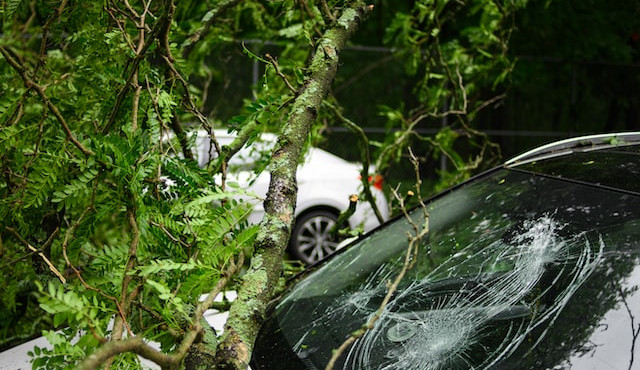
259 282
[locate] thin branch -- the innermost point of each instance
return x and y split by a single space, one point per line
191 107
275 65
488 103
391 289
39 252
409 261
326 13
45 34
163 36
36 150
458 80
192 335
30 84
158 317
136 103
124 305
121 27
135 345
138 88
168 233
229 150
18 113
132 10
418 184
65 243
634 331
44 246
383 160
304 8
32 16
134 64
127 278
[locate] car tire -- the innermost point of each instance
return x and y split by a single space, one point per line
310 239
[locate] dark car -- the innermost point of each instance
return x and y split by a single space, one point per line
532 265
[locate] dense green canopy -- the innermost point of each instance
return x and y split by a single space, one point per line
97 99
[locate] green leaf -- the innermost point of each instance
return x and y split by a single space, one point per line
77 187
158 266
163 289
11 7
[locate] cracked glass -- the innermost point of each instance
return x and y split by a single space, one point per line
517 271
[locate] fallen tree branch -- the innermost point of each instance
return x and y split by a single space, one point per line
107 351
259 282
135 345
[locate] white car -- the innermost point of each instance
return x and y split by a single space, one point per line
325 183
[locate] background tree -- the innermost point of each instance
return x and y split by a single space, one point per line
576 72
96 105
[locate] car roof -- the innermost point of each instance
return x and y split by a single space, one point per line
576 144
609 161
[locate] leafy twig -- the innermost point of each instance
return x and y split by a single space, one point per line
274 63
30 84
138 88
39 252
45 33
168 234
304 8
191 336
127 278
137 345
124 304
133 65
191 107
326 12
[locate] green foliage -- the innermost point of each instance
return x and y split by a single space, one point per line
10 7
80 229
263 111
69 307
77 189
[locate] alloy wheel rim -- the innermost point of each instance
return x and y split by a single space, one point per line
314 238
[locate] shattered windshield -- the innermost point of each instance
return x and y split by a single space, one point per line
517 271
